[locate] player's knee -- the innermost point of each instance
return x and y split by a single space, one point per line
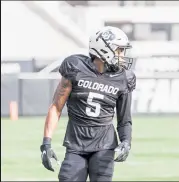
102 174
106 167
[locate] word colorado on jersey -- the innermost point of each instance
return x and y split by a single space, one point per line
98 86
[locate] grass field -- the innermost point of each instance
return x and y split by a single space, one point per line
154 155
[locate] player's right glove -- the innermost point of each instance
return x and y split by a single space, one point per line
122 151
47 155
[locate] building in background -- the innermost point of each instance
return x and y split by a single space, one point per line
38 34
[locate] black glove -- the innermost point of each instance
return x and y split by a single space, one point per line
47 155
122 151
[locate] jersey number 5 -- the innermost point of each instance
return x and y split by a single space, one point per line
97 106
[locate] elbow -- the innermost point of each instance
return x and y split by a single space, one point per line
124 123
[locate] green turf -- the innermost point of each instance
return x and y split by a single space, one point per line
154 155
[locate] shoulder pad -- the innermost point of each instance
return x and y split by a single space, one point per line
131 80
68 68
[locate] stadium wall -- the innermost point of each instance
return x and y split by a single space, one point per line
154 94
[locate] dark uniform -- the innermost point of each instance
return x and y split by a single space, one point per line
90 137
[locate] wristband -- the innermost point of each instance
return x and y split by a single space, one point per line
46 141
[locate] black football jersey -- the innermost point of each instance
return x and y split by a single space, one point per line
92 101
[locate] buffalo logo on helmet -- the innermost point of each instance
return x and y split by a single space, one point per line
108 35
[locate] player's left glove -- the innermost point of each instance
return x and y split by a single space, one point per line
122 151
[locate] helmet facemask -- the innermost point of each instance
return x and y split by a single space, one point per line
119 60
123 60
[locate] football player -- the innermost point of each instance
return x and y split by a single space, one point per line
93 86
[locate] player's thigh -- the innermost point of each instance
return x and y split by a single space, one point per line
73 168
101 166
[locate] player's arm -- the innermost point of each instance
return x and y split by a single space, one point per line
124 119
124 126
60 97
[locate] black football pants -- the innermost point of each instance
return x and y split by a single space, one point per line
98 165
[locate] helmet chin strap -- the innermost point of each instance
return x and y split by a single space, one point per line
114 68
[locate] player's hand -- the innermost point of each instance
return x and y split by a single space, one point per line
47 155
122 151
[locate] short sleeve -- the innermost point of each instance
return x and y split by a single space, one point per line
131 80
68 68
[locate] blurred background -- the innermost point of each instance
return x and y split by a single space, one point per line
35 38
